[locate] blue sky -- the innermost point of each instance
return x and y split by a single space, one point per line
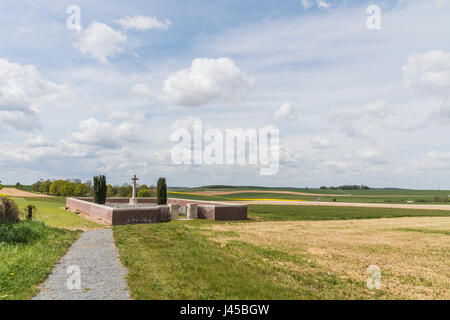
353 105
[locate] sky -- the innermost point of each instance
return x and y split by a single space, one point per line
353 105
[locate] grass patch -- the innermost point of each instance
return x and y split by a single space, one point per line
300 213
28 251
184 260
423 230
51 211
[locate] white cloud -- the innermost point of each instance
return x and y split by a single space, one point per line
143 23
320 4
429 71
107 135
142 89
23 93
443 113
286 113
321 143
126 116
206 81
39 141
370 155
442 3
307 4
375 110
340 166
101 41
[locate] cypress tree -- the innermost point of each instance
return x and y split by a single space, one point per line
161 191
100 189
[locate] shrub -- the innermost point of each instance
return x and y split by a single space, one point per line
67 189
29 211
144 193
22 232
80 190
161 191
8 211
125 191
56 187
100 189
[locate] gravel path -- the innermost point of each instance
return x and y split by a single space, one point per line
102 275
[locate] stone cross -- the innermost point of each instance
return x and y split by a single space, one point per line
134 186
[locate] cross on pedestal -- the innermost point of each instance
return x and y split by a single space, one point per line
133 199
134 179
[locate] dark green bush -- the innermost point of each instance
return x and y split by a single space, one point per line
21 232
100 189
144 193
9 212
161 191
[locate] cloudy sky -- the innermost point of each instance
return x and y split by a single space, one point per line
353 105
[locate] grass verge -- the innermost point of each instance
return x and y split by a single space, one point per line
28 251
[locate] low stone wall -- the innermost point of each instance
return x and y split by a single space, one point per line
215 210
119 216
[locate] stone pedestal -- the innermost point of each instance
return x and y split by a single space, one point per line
192 211
174 211
133 201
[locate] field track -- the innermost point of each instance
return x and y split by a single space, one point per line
224 193
13 192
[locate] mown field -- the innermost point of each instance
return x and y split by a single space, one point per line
284 252
29 249
317 213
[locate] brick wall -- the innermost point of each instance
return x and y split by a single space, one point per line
118 216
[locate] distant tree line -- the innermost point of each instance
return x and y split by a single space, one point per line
347 187
77 188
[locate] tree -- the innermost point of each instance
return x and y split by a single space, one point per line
110 192
144 193
56 187
45 187
100 189
1 186
67 189
161 191
125 191
35 187
80 190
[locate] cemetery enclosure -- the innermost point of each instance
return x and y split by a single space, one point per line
153 213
